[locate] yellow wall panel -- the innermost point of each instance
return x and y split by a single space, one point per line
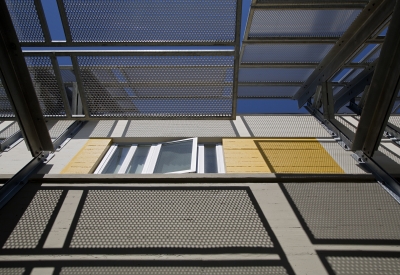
274 155
87 159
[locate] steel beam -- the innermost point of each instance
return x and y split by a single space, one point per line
374 14
383 91
327 100
68 134
19 88
353 89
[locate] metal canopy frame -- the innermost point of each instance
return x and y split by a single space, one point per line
384 87
363 28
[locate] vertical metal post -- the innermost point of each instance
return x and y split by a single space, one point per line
327 100
383 90
19 88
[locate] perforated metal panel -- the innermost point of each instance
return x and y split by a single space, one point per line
5 106
395 120
157 86
57 128
103 128
152 218
281 53
347 211
25 19
343 158
12 270
274 74
301 23
9 131
30 227
364 265
267 91
46 87
173 270
285 126
180 128
151 21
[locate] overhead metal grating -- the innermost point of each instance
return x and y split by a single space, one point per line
150 21
285 53
6 110
274 74
267 91
46 87
26 20
156 86
301 23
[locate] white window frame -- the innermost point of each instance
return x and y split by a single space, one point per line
220 159
151 160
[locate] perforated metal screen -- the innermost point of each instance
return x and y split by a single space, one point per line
5 106
157 86
25 19
274 74
267 91
45 84
346 211
281 53
151 21
301 23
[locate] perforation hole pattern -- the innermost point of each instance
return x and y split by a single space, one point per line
174 270
274 74
301 23
5 106
9 131
364 265
267 91
25 20
284 53
351 211
33 222
151 21
12 271
46 87
158 86
169 219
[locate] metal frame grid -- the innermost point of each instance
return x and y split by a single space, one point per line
144 84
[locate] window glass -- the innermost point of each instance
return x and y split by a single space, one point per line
116 160
175 156
138 160
210 159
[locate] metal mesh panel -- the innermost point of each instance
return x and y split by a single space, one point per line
5 106
180 128
151 21
364 265
395 120
301 23
280 53
103 128
285 126
342 157
46 87
173 270
158 86
169 218
351 211
274 74
30 227
12 270
59 127
267 91
9 131
25 20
